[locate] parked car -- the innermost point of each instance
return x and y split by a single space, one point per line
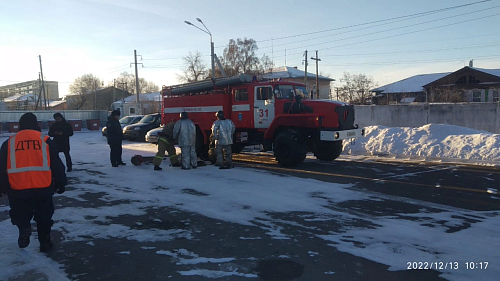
139 130
152 135
127 120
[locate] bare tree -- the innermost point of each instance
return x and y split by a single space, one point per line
355 88
126 82
265 64
82 87
230 59
195 68
148 86
239 57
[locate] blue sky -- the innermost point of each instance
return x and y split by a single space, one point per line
75 37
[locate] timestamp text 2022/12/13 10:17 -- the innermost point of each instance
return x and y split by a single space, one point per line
470 265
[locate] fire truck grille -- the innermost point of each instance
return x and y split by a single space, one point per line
346 117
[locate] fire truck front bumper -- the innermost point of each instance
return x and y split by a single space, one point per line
341 135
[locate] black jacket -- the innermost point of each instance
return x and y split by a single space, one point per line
296 108
62 141
115 133
56 167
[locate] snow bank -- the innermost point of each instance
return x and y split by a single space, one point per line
432 140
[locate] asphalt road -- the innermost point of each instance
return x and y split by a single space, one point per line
305 256
457 185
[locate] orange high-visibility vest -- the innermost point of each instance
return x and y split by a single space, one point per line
28 161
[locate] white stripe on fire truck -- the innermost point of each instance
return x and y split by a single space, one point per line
192 109
241 107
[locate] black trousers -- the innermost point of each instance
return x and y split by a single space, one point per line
69 164
116 153
41 208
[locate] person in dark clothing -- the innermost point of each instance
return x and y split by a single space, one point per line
115 138
60 132
297 107
30 181
166 143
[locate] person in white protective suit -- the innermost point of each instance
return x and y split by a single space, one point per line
223 131
185 133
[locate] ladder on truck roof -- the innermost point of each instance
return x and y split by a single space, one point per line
207 85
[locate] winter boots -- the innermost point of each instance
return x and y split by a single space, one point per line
157 168
176 164
24 237
45 243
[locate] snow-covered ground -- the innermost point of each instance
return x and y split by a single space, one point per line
431 141
244 196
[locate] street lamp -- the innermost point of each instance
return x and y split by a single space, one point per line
211 43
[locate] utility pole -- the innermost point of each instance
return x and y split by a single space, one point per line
317 79
285 57
39 92
114 96
43 84
95 96
137 90
337 93
212 57
272 51
305 73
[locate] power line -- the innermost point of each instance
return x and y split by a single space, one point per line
414 51
164 66
412 62
377 21
416 31
115 67
164 59
127 68
392 36
401 52
392 29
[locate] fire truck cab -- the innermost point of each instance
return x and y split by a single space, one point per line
270 113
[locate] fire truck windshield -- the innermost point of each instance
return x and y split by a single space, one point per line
299 90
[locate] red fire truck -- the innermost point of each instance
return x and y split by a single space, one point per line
264 112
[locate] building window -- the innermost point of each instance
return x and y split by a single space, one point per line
132 110
473 80
495 96
241 95
476 96
462 80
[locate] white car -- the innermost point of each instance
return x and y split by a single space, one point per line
152 135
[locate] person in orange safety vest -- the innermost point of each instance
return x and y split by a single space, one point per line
30 172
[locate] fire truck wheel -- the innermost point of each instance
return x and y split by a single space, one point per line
290 148
328 150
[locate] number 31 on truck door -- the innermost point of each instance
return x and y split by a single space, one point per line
264 106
